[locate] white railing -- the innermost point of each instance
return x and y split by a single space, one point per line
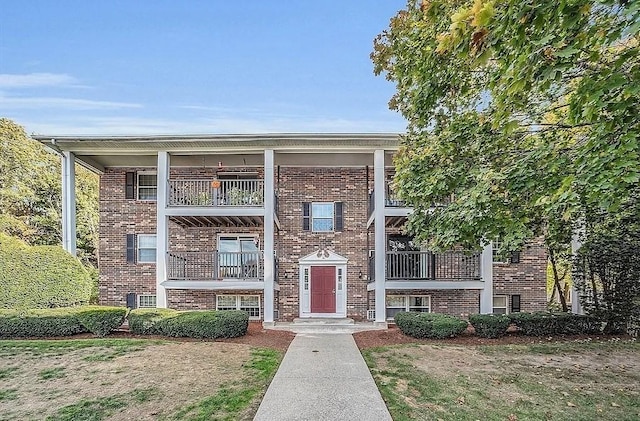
213 192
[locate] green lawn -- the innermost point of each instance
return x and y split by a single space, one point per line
554 381
120 379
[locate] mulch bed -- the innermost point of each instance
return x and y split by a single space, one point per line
394 336
279 339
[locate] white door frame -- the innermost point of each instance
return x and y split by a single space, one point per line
322 258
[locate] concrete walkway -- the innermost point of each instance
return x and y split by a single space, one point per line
323 377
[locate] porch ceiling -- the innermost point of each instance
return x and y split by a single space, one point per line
218 221
395 221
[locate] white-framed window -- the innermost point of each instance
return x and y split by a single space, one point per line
147 185
248 303
146 301
500 304
146 248
340 279
503 256
306 279
239 256
398 303
322 216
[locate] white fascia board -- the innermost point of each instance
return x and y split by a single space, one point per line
434 285
215 285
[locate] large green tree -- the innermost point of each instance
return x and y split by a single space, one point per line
522 113
30 193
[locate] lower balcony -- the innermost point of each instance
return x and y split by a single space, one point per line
215 270
424 269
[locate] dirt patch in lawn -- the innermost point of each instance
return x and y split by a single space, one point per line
173 373
514 378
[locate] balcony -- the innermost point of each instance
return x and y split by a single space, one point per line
215 266
214 192
427 266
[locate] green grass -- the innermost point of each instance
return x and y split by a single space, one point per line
558 381
61 347
6 373
52 373
101 408
8 395
231 402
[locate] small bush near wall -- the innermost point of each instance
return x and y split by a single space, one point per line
40 323
205 324
144 321
100 320
429 325
544 324
40 276
490 325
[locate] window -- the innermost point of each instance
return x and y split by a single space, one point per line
500 256
147 186
238 256
306 279
146 301
398 303
146 248
248 303
500 304
322 216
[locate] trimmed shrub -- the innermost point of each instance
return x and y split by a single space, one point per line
545 324
576 324
100 320
490 325
205 324
429 325
40 276
40 323
144 321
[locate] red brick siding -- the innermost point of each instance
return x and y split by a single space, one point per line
527 278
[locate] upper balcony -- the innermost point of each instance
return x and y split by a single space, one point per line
213 192
215 202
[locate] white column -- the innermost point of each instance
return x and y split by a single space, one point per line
576 243
69 202
379 235
486 274
162 228
269 247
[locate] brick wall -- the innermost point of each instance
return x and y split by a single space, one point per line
298 185
295 185
526 278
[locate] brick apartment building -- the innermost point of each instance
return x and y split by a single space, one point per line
282 226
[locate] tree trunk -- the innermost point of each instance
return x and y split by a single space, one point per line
556 281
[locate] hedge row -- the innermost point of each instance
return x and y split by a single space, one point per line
429 325
433 325
191 324
100 320
545 324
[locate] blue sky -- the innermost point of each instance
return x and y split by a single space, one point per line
152 67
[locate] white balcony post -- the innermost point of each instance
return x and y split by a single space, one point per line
269 210
379 235
162 228
486 274
69 202
576 244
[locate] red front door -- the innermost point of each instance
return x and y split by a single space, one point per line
323 289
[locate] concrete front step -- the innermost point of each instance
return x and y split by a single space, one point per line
321 321
325 326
